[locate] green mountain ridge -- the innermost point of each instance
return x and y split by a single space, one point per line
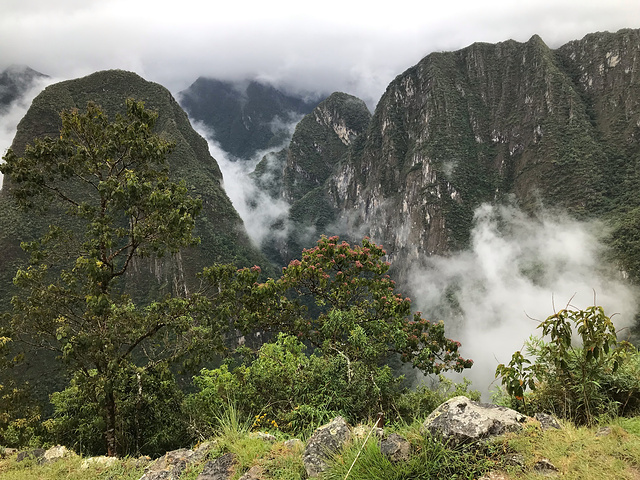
496 122
221 230
245 117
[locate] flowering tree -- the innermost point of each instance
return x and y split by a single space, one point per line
340 299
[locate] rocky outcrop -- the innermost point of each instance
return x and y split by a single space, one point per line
299 173
460 420
222 468
172 464
396 448
328 439
491 122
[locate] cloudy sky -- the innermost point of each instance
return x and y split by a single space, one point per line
353 46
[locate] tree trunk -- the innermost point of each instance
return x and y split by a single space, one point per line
110 433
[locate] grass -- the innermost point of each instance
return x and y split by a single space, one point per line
578 453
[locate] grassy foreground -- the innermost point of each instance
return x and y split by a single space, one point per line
578 453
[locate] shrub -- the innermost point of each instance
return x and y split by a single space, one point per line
285 389
580 383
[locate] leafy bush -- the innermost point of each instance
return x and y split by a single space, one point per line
151 421
285 389
600 377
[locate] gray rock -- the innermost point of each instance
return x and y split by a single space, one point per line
460 420
325 440
56 453
170 466
36 453
254 473
201 451
222 468
294 444
396 448
547 421
604 431
545 467
7 452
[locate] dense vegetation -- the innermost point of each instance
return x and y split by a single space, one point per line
121 354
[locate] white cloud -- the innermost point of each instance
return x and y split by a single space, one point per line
256 208
516 272
355 47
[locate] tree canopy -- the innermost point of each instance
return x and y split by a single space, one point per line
338 298
110 178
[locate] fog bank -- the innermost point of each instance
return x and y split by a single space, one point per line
518 271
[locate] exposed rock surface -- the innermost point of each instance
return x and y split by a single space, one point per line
396 448
493 122
460 420
36 453
56 453
254 473
171 465
325 440
547 421
545 467
222 468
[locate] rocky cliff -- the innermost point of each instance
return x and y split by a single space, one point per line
300 173
496 122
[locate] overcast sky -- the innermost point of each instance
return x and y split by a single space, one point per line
329 45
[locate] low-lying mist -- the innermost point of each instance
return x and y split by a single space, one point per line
259 211
11 116
518 271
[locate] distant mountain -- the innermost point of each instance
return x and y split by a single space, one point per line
299 173
222 233
496 122
15 81
244 117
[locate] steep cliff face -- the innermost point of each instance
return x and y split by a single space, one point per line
299 173
244 118
320 141
222 233
513 120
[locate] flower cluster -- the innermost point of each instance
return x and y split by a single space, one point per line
261 421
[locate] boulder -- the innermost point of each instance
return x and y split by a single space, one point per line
254 473
7 452
222 468
460 420
170 466
545 467
326 440
56 453
395 448
36 454
547 421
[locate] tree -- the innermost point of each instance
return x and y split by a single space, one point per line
110 179
339 299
